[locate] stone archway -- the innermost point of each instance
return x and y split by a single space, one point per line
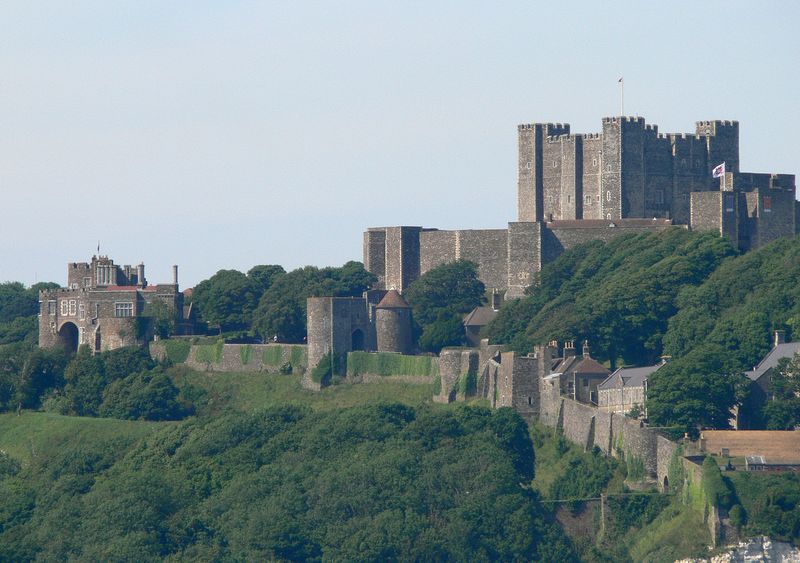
357 340
68 336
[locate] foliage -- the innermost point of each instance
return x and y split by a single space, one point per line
782 412
446 330
440 298
323 371
377 482
210 353
384 363
467 383
770 504
272 355
619 294
281 310
227 299
147 395
161 318
585 477
264 276
245 351
19 307
717 492
177 350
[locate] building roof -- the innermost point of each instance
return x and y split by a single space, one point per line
393 300
480 316
785 350
628 377
775 445
582 365
591 366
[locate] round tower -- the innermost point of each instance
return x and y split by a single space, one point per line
393 324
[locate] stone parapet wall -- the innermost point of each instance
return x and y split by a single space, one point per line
267 358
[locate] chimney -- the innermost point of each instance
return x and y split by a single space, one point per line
586 349
140 275
497 300
175 274
780 337
569 348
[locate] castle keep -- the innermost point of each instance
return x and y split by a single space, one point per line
104 306
576 188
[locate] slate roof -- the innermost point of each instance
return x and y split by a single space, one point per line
393 300
785 350
480 316
628 377
579 365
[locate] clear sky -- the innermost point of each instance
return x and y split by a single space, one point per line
228 134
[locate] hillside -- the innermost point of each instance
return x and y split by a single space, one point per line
299 477
688 295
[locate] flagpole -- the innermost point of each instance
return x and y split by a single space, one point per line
621 96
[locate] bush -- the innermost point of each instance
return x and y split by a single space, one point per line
737 516
245 352
717 492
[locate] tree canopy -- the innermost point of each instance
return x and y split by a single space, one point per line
370 483
440 298
281 311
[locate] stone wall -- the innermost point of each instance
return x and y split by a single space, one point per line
266 358
455 364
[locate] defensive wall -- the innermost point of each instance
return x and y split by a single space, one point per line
268 358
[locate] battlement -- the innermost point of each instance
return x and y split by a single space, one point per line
624 119
718 123
591 135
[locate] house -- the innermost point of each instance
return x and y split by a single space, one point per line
625 388
579 376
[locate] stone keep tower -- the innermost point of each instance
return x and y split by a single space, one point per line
393 324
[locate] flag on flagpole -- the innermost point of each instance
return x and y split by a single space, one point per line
620 79
719 171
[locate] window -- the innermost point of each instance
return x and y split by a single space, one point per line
608 196
73 307
586 382
528 165
87 282
587 199
81 336
569 199
64 307
81 311
555 163
594 162
123 309
96 310
51 307
768 203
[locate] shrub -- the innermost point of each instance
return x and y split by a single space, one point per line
245 352
717 492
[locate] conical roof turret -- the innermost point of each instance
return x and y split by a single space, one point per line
393 300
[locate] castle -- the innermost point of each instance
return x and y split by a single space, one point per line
576 188
105 306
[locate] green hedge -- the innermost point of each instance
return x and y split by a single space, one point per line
717 492
210 353
177 350
383 363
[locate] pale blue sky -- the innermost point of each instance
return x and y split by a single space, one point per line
228 134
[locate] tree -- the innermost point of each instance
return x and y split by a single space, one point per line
264 276
782 412
161 318
227 299
697 391
281 311
440 298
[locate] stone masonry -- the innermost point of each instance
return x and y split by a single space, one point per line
576 188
